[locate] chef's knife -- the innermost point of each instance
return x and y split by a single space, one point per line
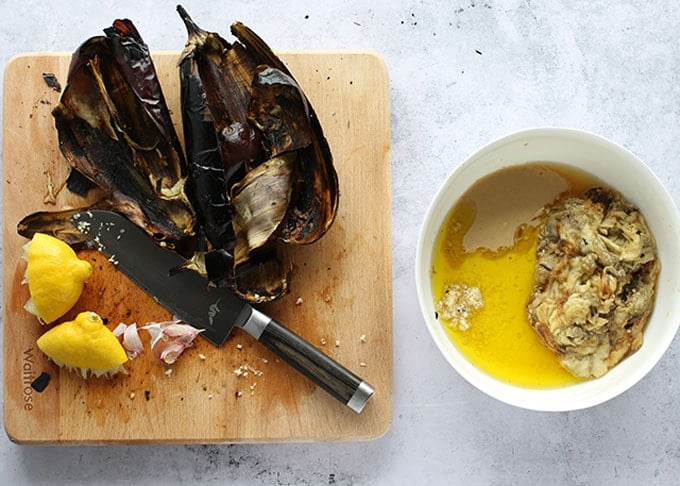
215 310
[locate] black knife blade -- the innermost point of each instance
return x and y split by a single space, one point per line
215 310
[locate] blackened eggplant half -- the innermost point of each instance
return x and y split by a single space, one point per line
315 205
115 128
281 184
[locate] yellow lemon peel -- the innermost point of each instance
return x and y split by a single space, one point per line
84 344
55 277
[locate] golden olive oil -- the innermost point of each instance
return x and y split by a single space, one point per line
500 339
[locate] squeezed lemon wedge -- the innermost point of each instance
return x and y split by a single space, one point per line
55 277
84 344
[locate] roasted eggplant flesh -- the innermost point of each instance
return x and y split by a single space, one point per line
256 171
260 201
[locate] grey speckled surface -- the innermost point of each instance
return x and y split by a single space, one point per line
462 73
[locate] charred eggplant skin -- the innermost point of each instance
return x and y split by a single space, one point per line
57 224
316 203
133 57
224 70
115 128
207 188
258 170
280 180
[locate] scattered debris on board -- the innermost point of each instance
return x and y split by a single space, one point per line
52 81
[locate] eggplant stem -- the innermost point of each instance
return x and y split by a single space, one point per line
197 36
191 26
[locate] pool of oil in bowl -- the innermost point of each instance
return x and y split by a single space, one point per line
500 339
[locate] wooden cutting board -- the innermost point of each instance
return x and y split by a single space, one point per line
340 299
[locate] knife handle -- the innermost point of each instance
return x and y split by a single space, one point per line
330 375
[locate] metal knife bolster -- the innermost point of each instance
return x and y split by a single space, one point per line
256 323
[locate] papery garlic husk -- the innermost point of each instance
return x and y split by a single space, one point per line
131 340
170 338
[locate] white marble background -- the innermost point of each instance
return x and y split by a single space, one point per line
462 73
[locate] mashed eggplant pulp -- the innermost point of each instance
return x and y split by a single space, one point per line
489 242
595 281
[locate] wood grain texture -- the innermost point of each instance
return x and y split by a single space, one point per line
340 299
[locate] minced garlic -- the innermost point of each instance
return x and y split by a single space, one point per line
458 303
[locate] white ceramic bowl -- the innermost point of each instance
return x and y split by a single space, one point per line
621 170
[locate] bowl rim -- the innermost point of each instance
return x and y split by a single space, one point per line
570 397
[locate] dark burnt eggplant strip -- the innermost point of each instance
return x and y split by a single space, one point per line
131 82
129 192
313 211
78 184
59 225
279 109
132 55
262 278
207 189
226 73
219 268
